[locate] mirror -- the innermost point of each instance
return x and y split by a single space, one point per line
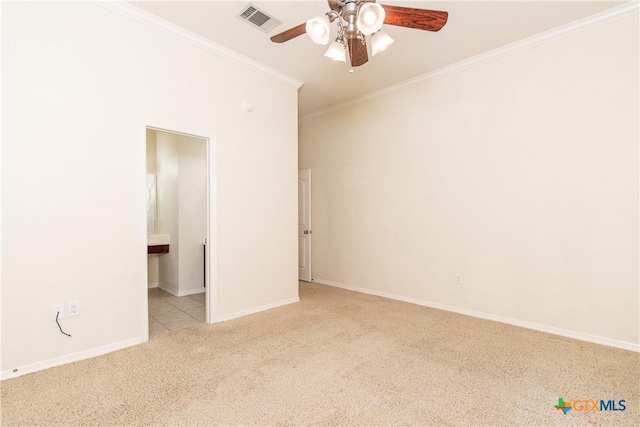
151 203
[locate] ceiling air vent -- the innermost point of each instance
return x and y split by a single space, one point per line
258 18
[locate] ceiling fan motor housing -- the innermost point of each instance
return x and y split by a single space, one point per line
349 13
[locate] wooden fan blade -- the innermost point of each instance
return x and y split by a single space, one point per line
291 33
420 19
357 52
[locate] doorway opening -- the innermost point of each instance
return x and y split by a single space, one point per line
178 234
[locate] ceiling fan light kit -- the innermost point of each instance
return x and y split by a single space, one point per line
319 29
337 51
379 42
357 19
370 18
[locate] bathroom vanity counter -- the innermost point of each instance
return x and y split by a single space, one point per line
157 249
158 244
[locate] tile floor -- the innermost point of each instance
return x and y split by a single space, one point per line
170 313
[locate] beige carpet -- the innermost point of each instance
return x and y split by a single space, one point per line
335 358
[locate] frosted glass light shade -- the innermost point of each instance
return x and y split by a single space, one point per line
370 18
379 42
336 52
318 29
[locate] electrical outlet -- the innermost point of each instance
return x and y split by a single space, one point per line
74 308
458 278
55 309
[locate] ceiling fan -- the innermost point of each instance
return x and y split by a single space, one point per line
357 19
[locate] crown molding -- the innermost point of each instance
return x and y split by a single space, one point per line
609 15
132 12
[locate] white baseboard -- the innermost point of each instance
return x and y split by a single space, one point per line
5 375
178 293
521 323
258 309
194 291
173 291
154 285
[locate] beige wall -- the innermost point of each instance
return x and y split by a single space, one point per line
192 212
152 260
153 271
167 207
151 151
521 174
76 80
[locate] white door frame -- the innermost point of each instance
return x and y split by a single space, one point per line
211 260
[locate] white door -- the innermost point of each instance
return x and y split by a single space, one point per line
304 225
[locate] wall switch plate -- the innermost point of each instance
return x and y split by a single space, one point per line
55 309
74 308
458 278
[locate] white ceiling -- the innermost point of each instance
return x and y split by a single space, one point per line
474 27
